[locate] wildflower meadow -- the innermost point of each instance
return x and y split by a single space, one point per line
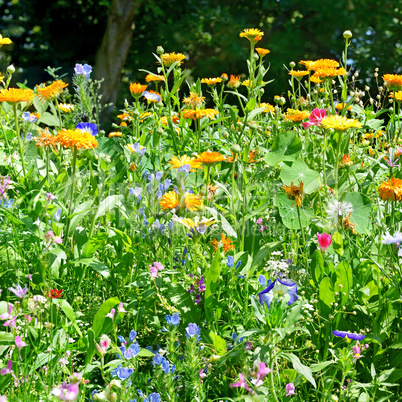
220 243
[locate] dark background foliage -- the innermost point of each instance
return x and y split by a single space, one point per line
61 33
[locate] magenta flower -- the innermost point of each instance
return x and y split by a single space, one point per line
263 370
202 374
66 392
153 271
111 314
241 383
158 266
356 351
259 221
120 308
7 370
290 389
18 291
315 118
20 344
324 241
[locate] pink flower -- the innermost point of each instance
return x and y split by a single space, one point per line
20 344
8 369
290 389
324 241
120 308
356 351
241 383
263 370
202 374
259 221
111 314
248 346
153 271
315 118
158 266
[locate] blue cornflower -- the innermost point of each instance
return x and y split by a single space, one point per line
158 176
157 359
238 263
123 373
154 397
262 280
29 136
167 184
121 339
350 335
88 128
174 319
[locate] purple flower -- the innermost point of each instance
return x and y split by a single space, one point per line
84 70
279 288
7 370
350 335
18 291
151 97
88 128
290 389
132 351
241 384
66 392
111 314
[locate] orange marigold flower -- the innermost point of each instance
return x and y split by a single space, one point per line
199 113
209 158
316 80
16 95
137 89
66 107
114 134
234 81
307 63
261 51
178 162
341 106
45 138
298 73
252 34
296 115
194 100
169 58
268 108
345 161
322 63
224 76
175 119
211 81
391 190
251 157
295 192
394 81
226 242
340 123
154 78
329 73
192 202
50 91
76 139
169 200
125 116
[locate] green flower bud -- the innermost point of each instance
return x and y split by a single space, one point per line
235 148
347 34
160 50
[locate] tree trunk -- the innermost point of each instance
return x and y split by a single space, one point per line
115 45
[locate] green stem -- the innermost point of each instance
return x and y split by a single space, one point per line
17 129
303 237
70 207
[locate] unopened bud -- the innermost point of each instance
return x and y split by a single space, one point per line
235 148
347 34
11 69
292 64
160 50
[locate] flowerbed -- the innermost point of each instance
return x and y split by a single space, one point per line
212 247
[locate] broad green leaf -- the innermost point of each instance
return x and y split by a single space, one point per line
90 346
219 343
99 325
225 224
300 368
262 254
107 204
95 264
286 147
288 212
68 311
320 366
361 212
145 353
326 292
344 281
49 120
317 266
94 243
56 255
370 290
211 282
77 215
299 171
337 243
6 338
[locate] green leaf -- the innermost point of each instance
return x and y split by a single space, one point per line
107 204
219 343
343 277
94 243
361 212
299 171
49 120
374 124
6 338
145 353
211 279
77 215
100 325
286 147
56 256
326 292
262 254
288 212
300 368
68 311
258 309
317 266
90 346
95 264
320 366
337 243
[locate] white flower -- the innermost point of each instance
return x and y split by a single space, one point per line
337 209
395 239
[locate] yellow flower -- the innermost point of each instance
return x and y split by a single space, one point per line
192 202
66 107
394 81
154 77
345 161
194 100
171 200
195 226
329 72
340 123
211 81
45 138
252 34
391 190
296 115
398 96
209 158
115 134
268 107
178 162
76 139
125 116
137 89
16 95
226 242
169 58
321 63
247 83
50 91
316 80
199 113
298 73
4 41
175 119
307 63
341 106
262 52
295 192
145 115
